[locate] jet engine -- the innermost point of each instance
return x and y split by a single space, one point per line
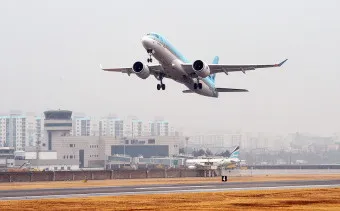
141 70
201 68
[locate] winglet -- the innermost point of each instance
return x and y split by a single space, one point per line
280 64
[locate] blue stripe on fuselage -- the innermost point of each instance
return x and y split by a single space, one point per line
173 50
208 80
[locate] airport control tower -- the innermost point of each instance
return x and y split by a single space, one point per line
57 123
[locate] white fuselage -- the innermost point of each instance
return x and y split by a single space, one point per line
171 62
213 161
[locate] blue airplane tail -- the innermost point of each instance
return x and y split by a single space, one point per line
215 61
235 153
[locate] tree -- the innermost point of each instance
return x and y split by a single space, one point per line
181 151
198 153
224 154
208 152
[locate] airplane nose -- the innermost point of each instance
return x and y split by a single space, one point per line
145 41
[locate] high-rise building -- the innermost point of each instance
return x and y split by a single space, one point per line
159 128
84 126
133 127
39 125
18 130
147 128
111 126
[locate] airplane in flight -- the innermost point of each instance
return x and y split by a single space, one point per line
198 76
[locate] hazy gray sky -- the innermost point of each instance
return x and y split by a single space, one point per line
50 53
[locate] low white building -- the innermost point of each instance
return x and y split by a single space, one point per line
44 155
46 161
49 165
6 157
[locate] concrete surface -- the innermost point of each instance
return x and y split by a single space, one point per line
156 189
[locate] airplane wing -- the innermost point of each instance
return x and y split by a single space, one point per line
220 90
218 68
230 90
154 68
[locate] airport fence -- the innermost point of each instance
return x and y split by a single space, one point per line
36 176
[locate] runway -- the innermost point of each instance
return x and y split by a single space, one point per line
157 189
252 172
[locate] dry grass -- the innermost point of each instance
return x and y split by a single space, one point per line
303 199
188 180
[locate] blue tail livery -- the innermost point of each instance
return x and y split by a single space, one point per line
235 153
215 61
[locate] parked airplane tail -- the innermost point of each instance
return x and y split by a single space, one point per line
235 153
215 61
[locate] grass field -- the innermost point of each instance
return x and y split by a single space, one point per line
296 199
188 180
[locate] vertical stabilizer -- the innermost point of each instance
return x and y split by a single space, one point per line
215 61
235 153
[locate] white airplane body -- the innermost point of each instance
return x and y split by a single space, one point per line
232 159
198 76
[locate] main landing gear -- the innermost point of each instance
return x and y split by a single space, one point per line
161 85
198 85
150 52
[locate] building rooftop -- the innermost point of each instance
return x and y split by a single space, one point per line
58 114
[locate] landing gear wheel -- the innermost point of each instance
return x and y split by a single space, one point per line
200 85
149 51
161 85
195 85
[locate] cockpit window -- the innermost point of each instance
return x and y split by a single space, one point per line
156 37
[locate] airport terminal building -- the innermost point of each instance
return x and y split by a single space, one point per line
93 151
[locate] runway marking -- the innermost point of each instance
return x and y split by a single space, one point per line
174 187
163 192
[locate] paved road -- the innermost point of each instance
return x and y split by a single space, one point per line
250 172
152 189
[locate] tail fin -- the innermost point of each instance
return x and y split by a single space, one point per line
215 61
235 153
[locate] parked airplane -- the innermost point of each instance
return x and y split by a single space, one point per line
198 76
232 159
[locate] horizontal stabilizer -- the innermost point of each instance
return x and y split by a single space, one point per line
230 90
187 91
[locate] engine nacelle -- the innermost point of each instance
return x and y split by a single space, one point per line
141 70
201 68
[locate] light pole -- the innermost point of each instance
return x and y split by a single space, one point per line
37 152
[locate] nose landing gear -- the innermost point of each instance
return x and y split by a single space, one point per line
150 52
